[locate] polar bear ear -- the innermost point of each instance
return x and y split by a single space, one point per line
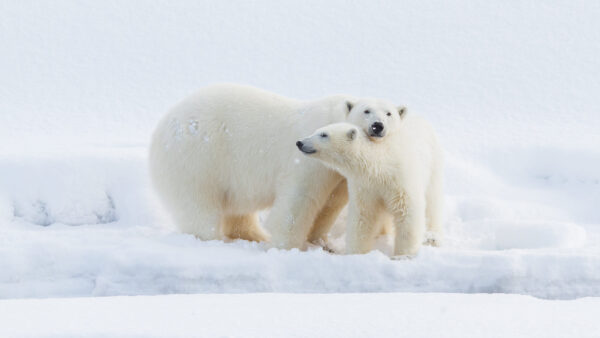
349 105
402 111
352 134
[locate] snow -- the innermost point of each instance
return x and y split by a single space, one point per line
105 260
292 315
88 224
511 89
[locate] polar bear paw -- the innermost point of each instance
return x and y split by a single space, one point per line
402 257
432 240
323 244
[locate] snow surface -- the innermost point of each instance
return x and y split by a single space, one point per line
292 315
512 89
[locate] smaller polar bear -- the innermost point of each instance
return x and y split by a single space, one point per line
400 176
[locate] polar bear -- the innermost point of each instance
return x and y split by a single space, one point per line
401 176
377 118
226 152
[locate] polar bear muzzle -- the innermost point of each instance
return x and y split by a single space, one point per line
305 148
377 130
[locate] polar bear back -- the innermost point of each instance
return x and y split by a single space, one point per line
237 141
417 148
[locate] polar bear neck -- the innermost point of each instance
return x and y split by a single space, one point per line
374 161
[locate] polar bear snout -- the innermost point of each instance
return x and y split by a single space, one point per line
305 147
377 130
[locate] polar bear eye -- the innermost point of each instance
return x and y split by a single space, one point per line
324 135
388 114
367 111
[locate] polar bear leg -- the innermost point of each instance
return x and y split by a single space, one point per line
296 207
363 225
410 225
387 224
243 227
327 216
435 200
290 220
200 220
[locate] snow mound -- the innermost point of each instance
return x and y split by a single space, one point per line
503 235
74 189
69 210
490 245
107 259
546 235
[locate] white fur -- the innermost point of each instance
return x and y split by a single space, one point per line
365 112
399 176
229 150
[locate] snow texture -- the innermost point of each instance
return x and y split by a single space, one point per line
288 315
511 88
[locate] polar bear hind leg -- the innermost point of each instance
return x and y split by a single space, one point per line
434 209
202 221
244 227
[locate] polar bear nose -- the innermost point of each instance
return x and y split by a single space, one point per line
299 144
377 128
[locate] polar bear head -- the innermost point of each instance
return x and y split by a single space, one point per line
376 117
337 145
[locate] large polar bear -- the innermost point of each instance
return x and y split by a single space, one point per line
401 176
228 151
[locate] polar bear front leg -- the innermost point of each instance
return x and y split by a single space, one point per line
328 214
296 206
363 223
410 226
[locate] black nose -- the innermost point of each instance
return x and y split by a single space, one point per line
377 127
299 144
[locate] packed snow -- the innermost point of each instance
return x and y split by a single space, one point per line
512 90
82 225
293 315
